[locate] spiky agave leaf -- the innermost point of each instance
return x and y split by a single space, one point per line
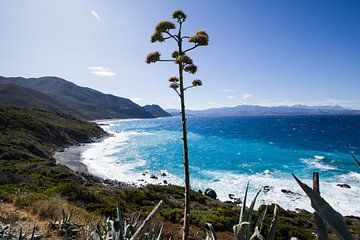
240 230
258 226
260 220
273 225
210 232
330 215
152 57
242 212
164 26
251 210
160 232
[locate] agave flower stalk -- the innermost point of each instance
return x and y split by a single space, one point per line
163 32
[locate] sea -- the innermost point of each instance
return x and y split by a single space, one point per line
226 153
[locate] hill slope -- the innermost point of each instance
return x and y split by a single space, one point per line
82 102
156 111
17 96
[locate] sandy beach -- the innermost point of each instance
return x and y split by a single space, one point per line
71 157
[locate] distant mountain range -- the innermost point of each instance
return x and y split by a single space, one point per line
254 110
57 94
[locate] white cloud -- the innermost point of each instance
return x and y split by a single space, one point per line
136 99
95 15
101 71
230 97
246 96
228 90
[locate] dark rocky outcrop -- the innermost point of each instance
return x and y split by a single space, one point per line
210 193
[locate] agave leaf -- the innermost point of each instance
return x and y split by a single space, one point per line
94 236
160 232
242 212
240 230
326 212
210 232
273 226
251 210
260 220
257 234
33 232
357 161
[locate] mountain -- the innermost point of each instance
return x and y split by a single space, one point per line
156 111
17 96
254 110
65 96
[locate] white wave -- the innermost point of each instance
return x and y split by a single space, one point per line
100 160
316 163
344 200
317 157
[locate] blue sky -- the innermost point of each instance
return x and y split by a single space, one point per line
260 52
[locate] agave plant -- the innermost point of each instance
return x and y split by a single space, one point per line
125 229
326 212
22 236
242 231
67 227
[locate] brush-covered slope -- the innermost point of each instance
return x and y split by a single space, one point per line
17 96
26 133
82 102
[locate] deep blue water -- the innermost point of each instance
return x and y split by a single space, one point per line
246 144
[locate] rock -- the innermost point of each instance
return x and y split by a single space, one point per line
210 193
266 189
343 185
165 182
289 192
153 176
163 174
231 196
237 200
200 191
144 173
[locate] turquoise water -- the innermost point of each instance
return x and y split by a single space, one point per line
226 152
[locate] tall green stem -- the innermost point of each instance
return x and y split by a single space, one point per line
185 144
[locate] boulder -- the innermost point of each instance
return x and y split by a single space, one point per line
289 192
343 185
210 193
153 176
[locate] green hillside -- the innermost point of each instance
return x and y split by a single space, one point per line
81 102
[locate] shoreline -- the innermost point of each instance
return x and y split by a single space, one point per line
72 158
96 159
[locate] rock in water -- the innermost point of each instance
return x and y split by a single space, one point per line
343 185
153 176
210 193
